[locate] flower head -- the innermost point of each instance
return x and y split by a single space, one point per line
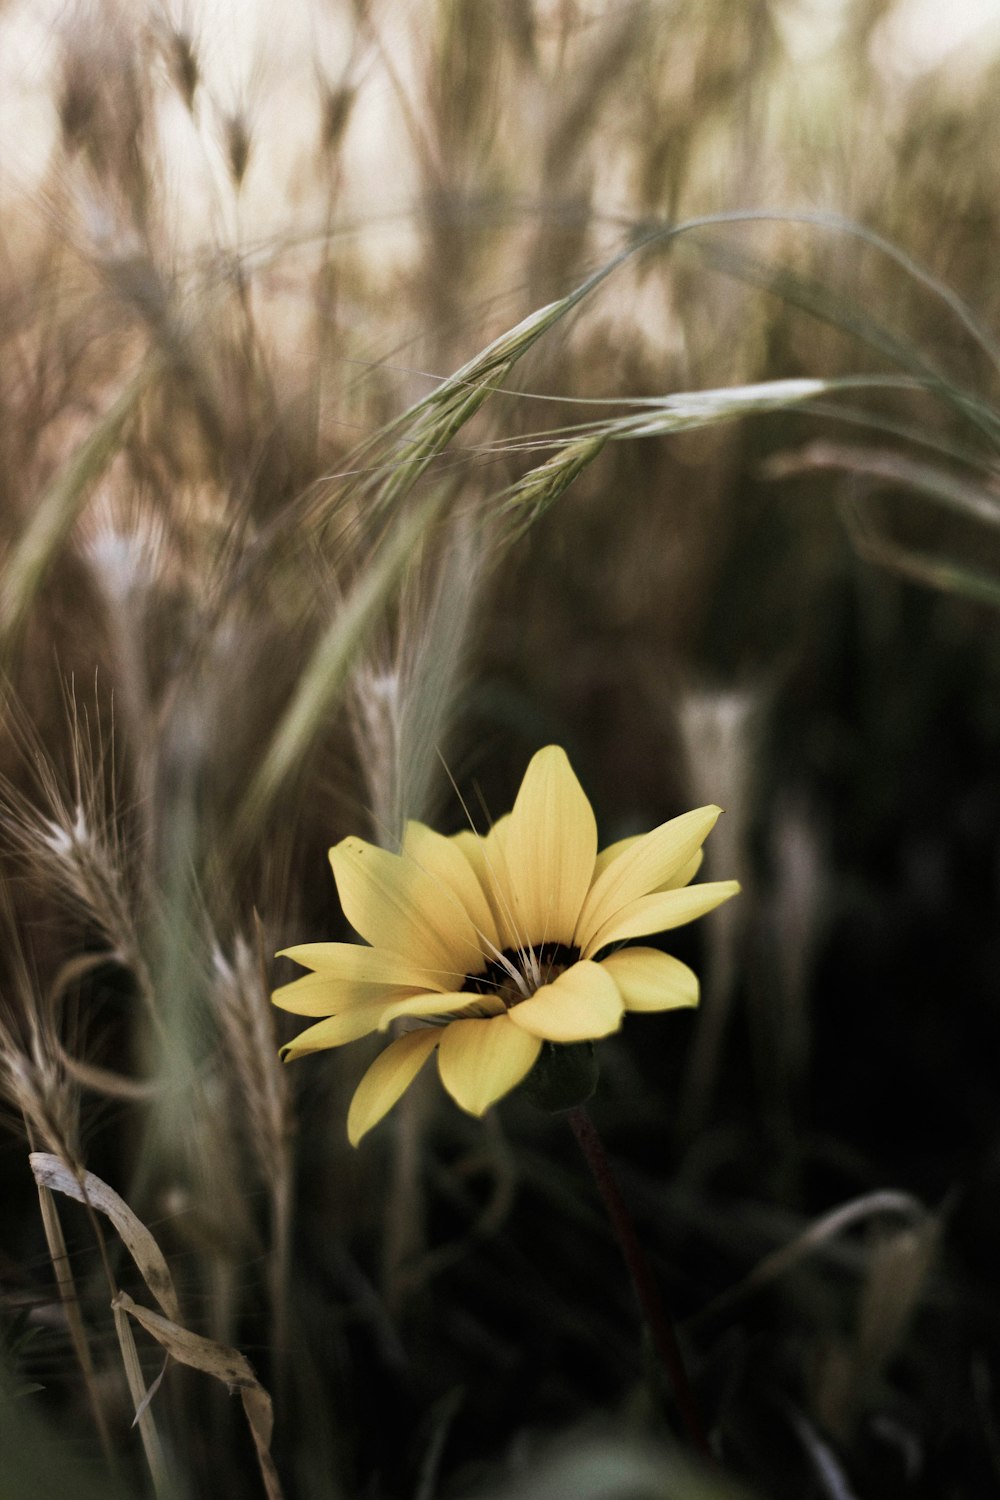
495 944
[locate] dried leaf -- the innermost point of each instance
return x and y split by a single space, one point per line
225 1364
51 1173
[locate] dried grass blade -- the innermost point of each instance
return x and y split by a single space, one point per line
778 1263
144 1420
105 1081
871 469
51 1173
900 1267
223 1363
931 570
66 1284
883 466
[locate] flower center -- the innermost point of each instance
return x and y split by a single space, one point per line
519 972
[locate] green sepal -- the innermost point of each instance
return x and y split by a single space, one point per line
563 1077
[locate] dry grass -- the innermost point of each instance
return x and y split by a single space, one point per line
383 394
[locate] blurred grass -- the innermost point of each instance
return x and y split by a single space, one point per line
370 395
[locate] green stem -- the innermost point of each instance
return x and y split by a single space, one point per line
657 1318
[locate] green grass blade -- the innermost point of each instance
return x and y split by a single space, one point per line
58 508
324 675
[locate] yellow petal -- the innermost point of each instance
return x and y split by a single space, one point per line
322 995
357 963
551 846
471 844
582 1004
643 866
446 862
660 912
335 1031
605 856
683 876
428 1005
486 853
650 980
480 1061
394 904
388 1078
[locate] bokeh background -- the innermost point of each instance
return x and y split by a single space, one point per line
306 531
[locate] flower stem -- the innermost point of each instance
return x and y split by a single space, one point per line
655 1313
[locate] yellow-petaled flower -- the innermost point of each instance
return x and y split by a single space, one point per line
496 944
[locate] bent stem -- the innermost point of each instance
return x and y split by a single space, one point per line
655 1313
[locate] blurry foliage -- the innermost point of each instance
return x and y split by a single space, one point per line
304 481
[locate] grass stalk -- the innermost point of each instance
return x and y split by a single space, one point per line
151 1444
66 1283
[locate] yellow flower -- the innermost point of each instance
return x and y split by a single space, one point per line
495 944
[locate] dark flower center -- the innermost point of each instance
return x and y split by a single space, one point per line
519 972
